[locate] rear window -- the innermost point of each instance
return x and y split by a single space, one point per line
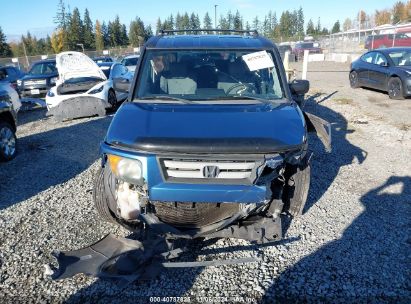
306 45
43 68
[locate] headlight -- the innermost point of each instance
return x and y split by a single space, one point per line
53 80
408 73
19 82
126 169
98 90
50 93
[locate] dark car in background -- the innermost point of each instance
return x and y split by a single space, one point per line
312 47
387 70
284 48
101 59
39 79
11 74
387 40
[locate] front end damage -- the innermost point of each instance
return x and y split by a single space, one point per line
78 107
171 190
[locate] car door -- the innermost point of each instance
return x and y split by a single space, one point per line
379 71
366 62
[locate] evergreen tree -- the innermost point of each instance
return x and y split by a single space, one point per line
62 21
89 39
137 33
207 22
336 27
256 24
179 19
124 37
106 34
75 30
99 36
318 27
237 21
185 22
159 25
5 50
300 21
310 28
149 32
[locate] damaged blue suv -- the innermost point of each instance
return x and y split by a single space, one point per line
212 142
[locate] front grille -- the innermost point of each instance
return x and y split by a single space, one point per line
34 82
208 170
194 215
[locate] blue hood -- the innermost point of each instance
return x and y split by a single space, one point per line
191 128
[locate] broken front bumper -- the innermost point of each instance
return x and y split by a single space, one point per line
77 107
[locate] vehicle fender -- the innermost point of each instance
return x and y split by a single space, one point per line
321 127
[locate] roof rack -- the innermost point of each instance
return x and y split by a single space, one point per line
216 31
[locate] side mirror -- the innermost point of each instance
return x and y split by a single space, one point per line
384 64
298 89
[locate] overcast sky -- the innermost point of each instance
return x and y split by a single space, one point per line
37 16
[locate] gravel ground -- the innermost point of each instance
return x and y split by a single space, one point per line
352 244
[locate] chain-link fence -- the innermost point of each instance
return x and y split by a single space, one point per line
26 61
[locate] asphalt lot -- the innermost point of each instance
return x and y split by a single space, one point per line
351 244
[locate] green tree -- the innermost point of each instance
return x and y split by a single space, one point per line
149 32
124 36
75 30
106 34
62 21
300 22
207 22
99 36
89 39
318 27
137 32
310 28
194 22
185 22
237 21
336 27
159 25
5 50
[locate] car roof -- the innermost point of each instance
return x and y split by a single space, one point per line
131 56
387 50
106 63
208 42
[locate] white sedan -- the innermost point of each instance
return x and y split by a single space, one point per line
84 87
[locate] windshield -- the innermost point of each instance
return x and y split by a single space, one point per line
44 68
210 76
130 61
400 58
305 45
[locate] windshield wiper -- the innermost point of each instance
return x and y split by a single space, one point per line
246 97
166 97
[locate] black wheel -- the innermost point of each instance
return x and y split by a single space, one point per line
242 88
112 99
354 79
395 90
104 196
8 142
296 188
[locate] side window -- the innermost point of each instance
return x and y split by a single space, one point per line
368 57
123 70
379 59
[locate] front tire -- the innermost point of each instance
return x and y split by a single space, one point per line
296 188
354 83
112 98
395 88
8 142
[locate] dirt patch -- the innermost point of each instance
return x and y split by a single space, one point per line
347 101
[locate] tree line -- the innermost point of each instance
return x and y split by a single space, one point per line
75 32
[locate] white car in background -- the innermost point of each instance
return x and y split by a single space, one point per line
131 62
84 86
